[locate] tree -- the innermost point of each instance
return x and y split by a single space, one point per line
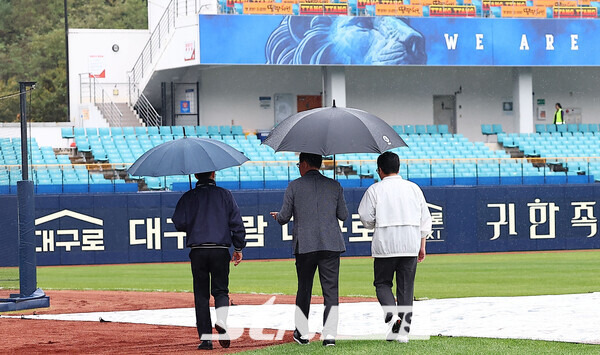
32 47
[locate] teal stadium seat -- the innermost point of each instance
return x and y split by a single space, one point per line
67 132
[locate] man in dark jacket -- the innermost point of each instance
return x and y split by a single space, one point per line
211 219
316 203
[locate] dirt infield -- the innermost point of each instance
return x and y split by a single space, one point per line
24 336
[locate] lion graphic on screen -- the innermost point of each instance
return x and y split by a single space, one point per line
345 40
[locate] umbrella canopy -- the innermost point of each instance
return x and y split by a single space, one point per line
334 130
187 156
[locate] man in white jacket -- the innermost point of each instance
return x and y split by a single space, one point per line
397 210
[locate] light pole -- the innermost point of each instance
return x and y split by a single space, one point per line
67 59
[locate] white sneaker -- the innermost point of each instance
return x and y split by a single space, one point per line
402 338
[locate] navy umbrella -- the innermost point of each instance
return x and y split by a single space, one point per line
334 130
185 156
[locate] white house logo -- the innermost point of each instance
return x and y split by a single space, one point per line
88 239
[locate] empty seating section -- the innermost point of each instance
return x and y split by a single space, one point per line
575 153
51 172
433 157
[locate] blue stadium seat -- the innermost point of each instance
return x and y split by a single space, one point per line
443 129
165 131
409 129
420 129
190 131
177 131
128 131
539 128
237 130
91 131
432 129
153 131
140 131
213 131
79 131
67 132
201 131
497 128
486 129
225 130
104 131
116 131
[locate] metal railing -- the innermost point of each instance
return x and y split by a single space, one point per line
92 91
426 172
158 40
144 108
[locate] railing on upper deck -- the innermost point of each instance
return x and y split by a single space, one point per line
91 91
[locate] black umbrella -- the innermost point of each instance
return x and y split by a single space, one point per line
186 156
334 130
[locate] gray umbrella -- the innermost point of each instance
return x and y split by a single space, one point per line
334 130
185 156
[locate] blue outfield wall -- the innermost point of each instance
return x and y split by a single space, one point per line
74 229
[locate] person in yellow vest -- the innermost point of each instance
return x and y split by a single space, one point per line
559 115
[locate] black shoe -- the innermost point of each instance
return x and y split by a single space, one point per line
223 336
393 332
396 326
205 345
299 339
329 342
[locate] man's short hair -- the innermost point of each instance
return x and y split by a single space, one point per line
203 176
313 160
389 163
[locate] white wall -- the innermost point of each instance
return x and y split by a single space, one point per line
84 43
45 133
229 95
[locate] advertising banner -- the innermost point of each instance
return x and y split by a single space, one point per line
398 10
574 12
452 10
486 4
267 8
137 227
524 11
348 40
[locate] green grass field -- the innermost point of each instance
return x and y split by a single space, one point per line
440 276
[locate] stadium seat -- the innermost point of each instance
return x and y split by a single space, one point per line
103 131
486 129
177 131
432 129
409 129
237 130
190 131
140 131
201 131
420 129
443 129
79 131
539 128
497 128
213 131
153 131
67 132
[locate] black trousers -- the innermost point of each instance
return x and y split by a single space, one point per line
210 270
405 269
328 263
